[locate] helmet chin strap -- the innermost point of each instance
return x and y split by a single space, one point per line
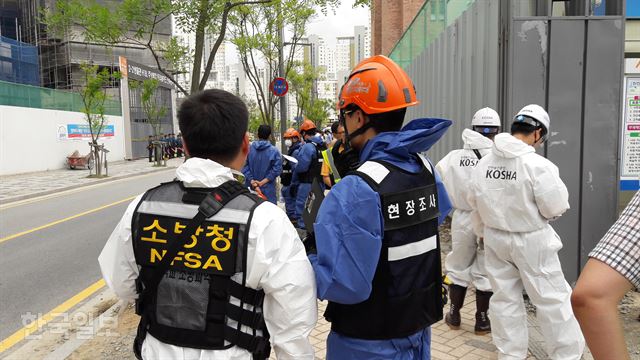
358 132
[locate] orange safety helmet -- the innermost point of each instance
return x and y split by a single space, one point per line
378 85
307 125
291 133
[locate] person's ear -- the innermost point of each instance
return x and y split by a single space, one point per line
245 144
184 147
360 118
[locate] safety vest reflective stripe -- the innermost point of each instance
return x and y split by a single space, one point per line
187 211
328 158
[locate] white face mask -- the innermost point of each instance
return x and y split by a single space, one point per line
288 143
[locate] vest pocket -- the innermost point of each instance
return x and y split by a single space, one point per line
181 303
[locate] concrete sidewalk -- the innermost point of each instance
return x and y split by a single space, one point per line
25 186
446 344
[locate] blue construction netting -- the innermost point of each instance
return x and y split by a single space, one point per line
19 62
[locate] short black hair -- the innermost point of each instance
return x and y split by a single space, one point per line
310 132
335 126
388 121
264 131
213 124
526 129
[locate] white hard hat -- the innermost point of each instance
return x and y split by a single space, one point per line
486 117
535 112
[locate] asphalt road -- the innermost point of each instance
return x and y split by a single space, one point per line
42 269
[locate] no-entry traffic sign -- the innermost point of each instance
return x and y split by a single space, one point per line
279 86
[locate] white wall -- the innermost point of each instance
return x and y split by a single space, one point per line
29 139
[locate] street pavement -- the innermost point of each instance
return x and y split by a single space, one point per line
21 186
42 267
45 266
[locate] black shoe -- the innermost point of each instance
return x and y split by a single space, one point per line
456 295
483 325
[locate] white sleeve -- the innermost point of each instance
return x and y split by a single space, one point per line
117 262
476 220
442 166
552 197
286 276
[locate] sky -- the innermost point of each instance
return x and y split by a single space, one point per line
338 23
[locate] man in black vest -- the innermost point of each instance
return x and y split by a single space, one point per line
378 253
202 289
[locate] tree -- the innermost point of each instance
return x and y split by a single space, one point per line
94 95
135 22
318 111
151 104
302 79
153 108
255 33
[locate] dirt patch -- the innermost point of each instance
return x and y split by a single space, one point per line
117 343
630 313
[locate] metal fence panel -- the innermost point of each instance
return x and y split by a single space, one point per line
564 146
602 99
528 65
458 73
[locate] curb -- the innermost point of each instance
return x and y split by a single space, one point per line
99 181
72 344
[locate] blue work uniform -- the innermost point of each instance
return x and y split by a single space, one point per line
264 162
288 192
349 232
307 168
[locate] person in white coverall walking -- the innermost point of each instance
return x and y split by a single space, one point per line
276 283
514 194
464 265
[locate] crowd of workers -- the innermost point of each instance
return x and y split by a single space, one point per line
219 273
164 146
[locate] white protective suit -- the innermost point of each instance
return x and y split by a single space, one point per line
515 193
276 263
464 265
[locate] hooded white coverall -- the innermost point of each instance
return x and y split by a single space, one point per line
515 193
464 265
276 263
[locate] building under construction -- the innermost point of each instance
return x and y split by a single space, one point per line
60 57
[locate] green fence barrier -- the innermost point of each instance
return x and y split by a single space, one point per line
429 23
13 94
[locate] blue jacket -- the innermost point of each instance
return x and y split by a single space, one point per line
350 226
264 161
306 154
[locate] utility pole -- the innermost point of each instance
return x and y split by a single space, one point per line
283 101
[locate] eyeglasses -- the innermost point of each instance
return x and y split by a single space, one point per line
343 114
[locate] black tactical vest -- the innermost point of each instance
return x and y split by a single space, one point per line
202 301
315 168
287 169
406 294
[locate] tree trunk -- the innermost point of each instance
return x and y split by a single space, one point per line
199 46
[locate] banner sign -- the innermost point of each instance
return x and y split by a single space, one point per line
630 155
133 70
82 132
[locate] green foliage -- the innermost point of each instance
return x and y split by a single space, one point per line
135 22
255 33
93 95
362 3
302 79
151 104
255 120
318 111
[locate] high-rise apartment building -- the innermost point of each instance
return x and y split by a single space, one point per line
345 59
361 42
